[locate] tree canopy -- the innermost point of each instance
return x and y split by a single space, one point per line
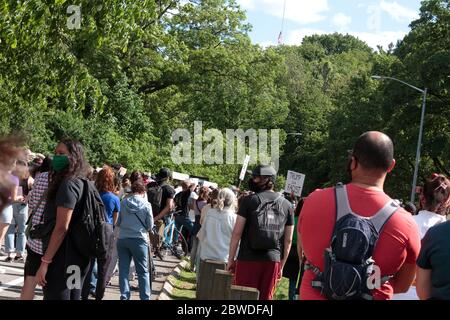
134 71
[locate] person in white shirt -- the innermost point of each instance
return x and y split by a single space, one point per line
434 212
217 228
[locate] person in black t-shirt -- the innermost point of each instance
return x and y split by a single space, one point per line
260 268
182 212
167 205
61 259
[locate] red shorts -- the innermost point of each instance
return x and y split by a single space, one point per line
261 275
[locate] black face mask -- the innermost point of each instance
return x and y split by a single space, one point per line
254 187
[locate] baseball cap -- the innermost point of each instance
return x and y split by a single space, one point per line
264 170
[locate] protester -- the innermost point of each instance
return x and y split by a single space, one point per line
212 200
63 205
397 248
11 200
105 184
160 195
292 267
433 281
9 152
197 205
259 264
215 233
36 203
135 221
182 213
15 241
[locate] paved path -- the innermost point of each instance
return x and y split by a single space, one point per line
11 280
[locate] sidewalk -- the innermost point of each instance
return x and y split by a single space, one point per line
11 280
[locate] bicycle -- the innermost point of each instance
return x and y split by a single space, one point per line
173 239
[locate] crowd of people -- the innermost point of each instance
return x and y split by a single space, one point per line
328 244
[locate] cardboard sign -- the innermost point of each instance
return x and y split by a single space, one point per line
294 183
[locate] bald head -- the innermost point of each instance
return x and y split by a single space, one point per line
374 151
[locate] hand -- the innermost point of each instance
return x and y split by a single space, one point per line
280 274
231 266
41 273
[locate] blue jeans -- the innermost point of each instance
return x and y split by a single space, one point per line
188 225
93 283
137 249
20 216
292 289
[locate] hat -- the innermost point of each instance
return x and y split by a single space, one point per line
163 174
264 170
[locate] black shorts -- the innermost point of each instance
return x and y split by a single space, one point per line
32 263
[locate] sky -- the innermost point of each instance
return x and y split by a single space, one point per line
377 22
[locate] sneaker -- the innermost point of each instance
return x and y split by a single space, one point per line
9 259
19 259
159 255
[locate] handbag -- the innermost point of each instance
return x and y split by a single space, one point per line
30 217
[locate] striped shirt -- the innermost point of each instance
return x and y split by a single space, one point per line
39 188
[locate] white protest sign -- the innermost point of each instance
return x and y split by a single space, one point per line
294 183
180 176
244 167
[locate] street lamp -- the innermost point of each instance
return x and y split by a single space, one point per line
419 142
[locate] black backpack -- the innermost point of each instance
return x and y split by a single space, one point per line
266 224
90 232
349 270
154 196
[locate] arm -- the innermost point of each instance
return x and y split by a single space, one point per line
404 278
287 245
235 238
63 216
115 217
169 206
299 246
423 283
14 196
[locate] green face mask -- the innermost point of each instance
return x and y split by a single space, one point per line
60 162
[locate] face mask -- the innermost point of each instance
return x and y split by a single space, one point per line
60 162
254 187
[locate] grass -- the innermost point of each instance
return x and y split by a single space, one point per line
282 290
184 287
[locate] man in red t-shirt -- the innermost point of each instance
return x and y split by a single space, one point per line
399 243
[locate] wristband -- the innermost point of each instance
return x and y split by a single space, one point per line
46 261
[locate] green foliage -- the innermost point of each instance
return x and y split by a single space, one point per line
134 73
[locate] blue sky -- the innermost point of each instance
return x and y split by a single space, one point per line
377 22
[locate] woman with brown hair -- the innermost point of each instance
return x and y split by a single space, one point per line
135 222
106 186
433 278
61 258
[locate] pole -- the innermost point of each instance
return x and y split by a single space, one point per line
419 144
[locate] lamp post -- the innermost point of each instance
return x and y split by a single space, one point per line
419 142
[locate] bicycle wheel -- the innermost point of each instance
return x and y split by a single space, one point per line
180 245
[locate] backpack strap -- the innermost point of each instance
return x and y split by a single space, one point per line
342 203
383 215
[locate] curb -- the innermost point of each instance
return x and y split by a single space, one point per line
167 288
